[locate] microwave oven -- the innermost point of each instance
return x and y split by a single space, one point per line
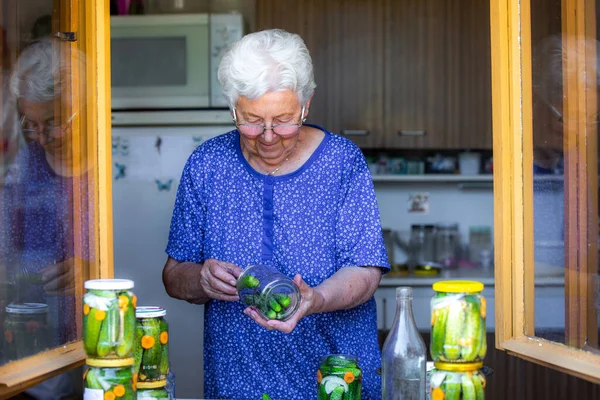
169 61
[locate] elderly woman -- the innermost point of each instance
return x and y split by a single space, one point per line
280 192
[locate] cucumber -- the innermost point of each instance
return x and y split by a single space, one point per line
164 354
109 331
126 331
275 306
438 332
478 385
468 389
283 299
91 380
137 355
337 394
451 389
248 282
454 328
271 314
471 335
91 331
483 343
151 356
265 397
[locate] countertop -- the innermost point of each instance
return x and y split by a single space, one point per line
483 275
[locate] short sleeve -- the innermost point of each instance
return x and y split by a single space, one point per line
359 240
187 223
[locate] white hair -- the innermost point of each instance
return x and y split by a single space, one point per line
265 61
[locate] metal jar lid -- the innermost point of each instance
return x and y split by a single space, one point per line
150 312
27 308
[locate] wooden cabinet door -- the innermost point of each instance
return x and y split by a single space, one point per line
437 74
345 39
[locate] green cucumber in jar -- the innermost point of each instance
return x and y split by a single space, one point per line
483 343
109 330
478 384
137 354
337 394
151 355
471 335
91 380
454 328
126 331
270 314
92 328
451 389
164 355
283 299
248 282
468 389
438 332
274 305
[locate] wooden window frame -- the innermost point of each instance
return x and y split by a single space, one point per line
513 194
93 38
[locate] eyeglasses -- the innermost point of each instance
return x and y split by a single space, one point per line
258 129
51 129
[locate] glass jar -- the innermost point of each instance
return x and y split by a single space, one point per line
339 377
151 345
109 379
273 294
447 242
25 330
109 318
422 244
458 329
152 390
457 381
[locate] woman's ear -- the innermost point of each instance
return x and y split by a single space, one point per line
307 106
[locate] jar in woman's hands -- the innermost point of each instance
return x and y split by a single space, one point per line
273 294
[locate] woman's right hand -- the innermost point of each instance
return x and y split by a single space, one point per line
218 279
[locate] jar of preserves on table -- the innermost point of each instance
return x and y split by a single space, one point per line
458 322
339 377
109 318
457 382
25 330
152 390
151 344
109 379
272 293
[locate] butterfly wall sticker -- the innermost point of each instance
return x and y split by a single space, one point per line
121 169
163 186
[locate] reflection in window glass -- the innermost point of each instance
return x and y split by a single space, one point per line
46 176
552 51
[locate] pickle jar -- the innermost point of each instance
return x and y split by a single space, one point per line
151 344
458 328
457 381
109 318
152 390
272 293
25 330
339 377
109 379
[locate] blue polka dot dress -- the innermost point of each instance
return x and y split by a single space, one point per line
313 221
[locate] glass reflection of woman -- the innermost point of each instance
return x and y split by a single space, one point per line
45 183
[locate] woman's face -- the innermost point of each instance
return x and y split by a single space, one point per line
271 109
40 124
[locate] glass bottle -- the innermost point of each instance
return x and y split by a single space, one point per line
404 354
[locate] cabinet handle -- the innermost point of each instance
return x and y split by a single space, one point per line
411 133
354 132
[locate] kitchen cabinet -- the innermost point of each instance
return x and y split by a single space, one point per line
385 66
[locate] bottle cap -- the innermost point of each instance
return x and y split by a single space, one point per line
109 362
458 286
109 284
458 367
152 385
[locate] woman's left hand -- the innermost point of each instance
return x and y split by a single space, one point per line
309 304
59 279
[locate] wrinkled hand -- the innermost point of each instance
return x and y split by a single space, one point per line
218 279
59 279
309 304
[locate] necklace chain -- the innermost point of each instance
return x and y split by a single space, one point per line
283 163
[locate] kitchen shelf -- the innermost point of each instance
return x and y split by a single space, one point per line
432 178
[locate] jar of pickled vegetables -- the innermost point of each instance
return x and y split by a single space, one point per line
151 344
273 294
457 381
152 390
109 318
339 377
458 328
109 379
25 330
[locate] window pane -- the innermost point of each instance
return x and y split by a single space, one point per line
565 187
47 174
